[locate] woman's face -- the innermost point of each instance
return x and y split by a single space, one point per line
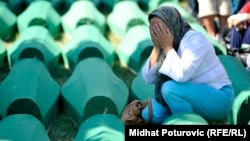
155 21
154 24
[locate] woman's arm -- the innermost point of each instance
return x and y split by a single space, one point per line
150 68
184 66
154 56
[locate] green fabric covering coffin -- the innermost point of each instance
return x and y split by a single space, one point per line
135 47
82 13
22 127
93 89
101 127
42 13
240 78
140 89
29 89
7 22
35 42
185 118
87 41
126 14
3 53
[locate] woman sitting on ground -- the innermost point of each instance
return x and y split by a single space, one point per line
197 81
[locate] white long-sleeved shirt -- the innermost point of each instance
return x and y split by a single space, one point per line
196 61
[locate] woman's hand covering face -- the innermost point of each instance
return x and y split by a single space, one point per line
161 34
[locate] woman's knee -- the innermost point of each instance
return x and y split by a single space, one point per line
169 88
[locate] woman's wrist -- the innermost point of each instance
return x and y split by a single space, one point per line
167 49
154 56
157 48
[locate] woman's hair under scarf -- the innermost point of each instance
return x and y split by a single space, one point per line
178 27
175 22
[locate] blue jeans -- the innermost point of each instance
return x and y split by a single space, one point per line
240 37
210 103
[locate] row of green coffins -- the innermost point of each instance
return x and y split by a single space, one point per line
46 13
62 6
87 42
92 88
98 127
29 96
25 127
132 27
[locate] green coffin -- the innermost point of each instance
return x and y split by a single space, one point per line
22 127
185 119
42 13
29 89
87 41
7 22
135 47
140 89
240 78
126 14
35 42
92 89
101 127
82 13
3 53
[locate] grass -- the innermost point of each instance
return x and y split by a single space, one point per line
63 128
